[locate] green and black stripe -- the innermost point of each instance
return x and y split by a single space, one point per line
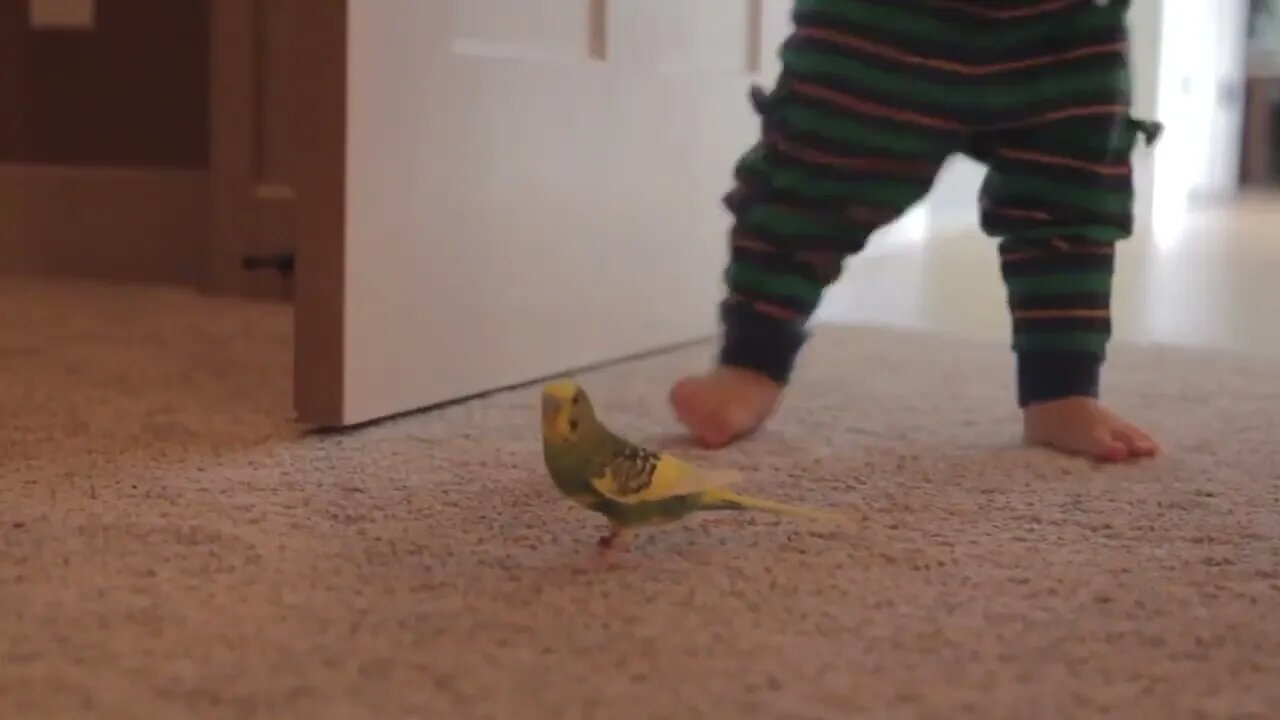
873 97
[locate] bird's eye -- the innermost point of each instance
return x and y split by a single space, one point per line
573 425
577 398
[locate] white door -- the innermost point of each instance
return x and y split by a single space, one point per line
1222 176
530 186
1202 74
1186 102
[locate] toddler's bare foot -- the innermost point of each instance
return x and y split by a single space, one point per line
1082 426
725 404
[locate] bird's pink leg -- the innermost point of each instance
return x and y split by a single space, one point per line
611 546
618 539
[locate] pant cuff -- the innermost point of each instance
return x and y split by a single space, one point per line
758 342
1045 376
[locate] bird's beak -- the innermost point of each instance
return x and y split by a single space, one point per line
549 409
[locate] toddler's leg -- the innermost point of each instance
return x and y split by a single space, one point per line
1060 195
850 141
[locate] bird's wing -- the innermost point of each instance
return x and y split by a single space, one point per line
638 475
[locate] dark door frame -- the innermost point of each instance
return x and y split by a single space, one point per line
277 180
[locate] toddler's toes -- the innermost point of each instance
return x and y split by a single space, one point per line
724 405
684 391
716 431
1097 443
1106 445
706 417
1081 426
1136 442
1100 444
689 399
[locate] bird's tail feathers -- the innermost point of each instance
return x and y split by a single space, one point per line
727 500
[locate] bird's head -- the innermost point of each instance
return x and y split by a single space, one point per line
567 415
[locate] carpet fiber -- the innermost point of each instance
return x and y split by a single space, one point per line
170 547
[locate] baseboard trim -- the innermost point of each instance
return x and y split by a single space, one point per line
109 223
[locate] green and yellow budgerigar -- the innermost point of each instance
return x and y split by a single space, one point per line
630 485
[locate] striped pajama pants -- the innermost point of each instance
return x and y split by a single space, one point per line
873 97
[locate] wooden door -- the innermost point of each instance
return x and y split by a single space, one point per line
507 189
254 152
104 138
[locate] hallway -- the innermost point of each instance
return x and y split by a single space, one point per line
1211 282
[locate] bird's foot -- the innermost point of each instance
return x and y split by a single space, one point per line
618 539
612 547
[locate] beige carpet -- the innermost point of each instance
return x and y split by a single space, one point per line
169 549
